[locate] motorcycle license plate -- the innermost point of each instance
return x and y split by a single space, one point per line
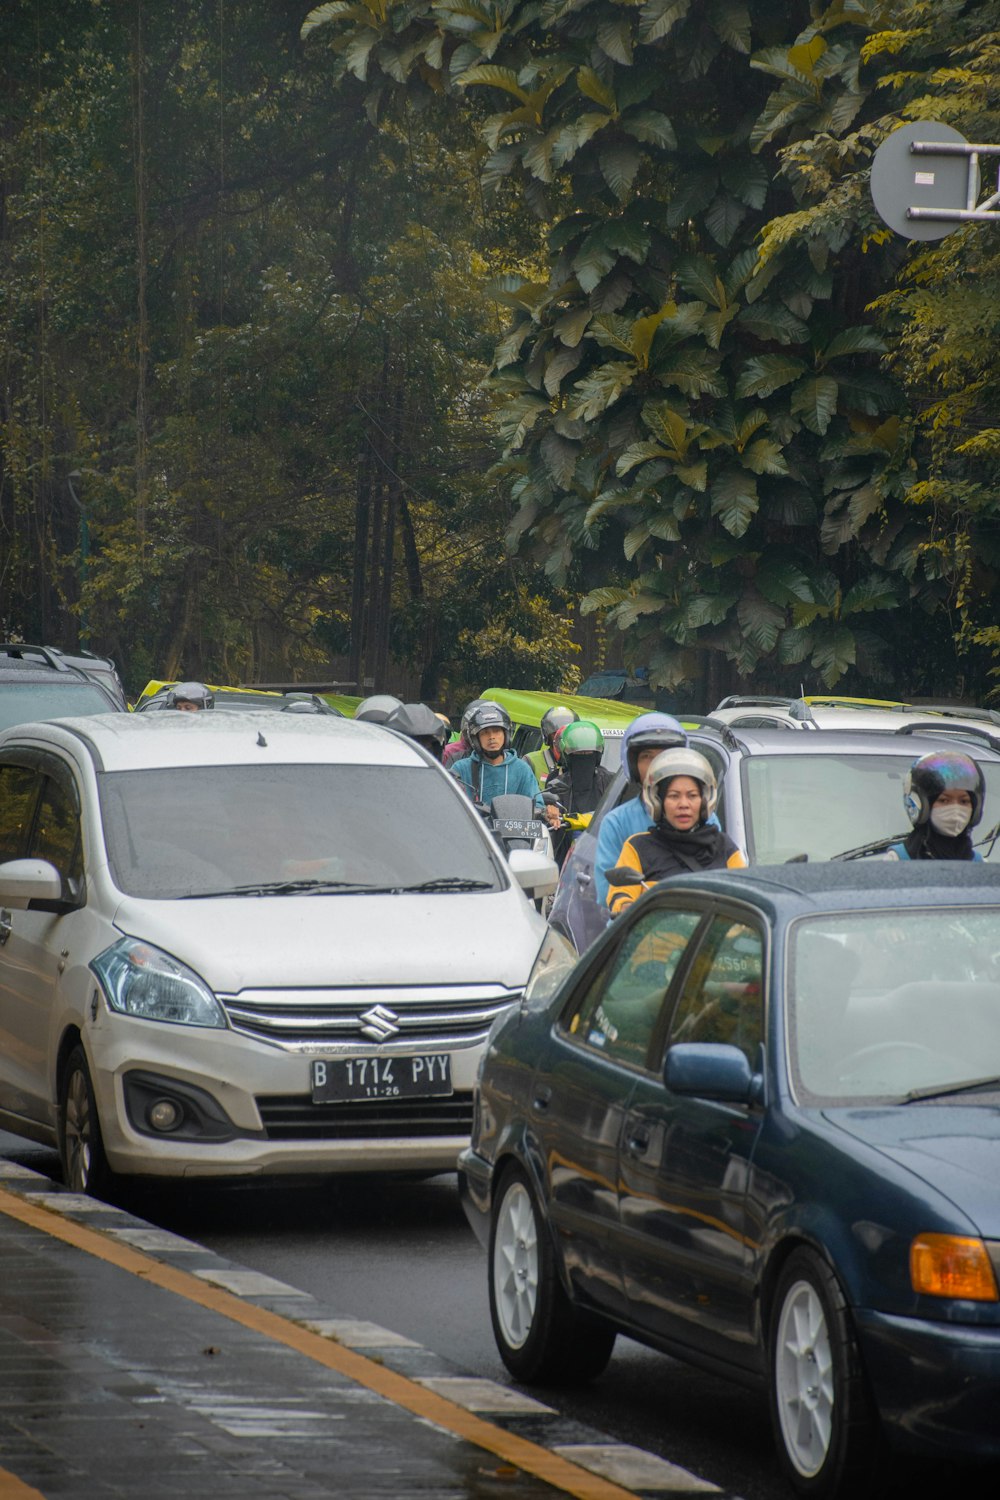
345 1079
521 828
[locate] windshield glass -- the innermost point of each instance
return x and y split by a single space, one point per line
823 805
185 831
883 1002
23 702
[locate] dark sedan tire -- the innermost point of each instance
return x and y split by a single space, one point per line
825 1425
541 1336
81 1146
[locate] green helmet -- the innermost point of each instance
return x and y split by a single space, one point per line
581 738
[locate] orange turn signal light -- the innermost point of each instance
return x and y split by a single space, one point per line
949 1265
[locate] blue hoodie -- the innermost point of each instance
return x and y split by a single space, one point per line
511 774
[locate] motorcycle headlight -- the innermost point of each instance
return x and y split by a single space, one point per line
140 980
556 957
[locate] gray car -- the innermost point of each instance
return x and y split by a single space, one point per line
783 796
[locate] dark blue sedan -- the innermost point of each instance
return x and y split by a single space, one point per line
757 1126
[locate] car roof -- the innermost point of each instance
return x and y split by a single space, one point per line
978 743
526 706
127 742
845 885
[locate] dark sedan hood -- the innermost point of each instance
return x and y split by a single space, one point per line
955 1148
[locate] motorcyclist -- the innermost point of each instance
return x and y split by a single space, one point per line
544 760
189 697
461 747
943 796
642 741
679 793
492 769
579 780
377 708
419 723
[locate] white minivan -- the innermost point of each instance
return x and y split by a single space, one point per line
234 944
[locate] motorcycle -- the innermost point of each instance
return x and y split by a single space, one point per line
512 821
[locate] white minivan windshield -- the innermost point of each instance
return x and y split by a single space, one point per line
284 829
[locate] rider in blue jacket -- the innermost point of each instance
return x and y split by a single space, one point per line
493 769
642 742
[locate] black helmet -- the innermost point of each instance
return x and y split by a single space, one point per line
376 710
189 692
937 772
419 723
556 718
467 713
488 715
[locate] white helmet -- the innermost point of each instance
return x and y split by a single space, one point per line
679 761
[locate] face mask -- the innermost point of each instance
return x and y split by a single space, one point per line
950 820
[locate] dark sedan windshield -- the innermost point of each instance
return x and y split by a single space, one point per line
884 1003
824 805
185 831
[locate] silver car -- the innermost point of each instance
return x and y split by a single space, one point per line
247 943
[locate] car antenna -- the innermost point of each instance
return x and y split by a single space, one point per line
261 740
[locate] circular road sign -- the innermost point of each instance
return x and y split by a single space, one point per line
901 179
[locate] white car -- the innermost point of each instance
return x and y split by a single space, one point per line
247 943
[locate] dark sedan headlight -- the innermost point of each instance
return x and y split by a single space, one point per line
143 981
952 1265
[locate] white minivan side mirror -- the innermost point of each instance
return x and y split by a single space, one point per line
536 874
24 880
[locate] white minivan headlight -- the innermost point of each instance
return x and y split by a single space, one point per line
556 957
140 980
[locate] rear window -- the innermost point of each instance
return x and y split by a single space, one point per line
23 702
185 831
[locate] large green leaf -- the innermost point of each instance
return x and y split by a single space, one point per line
773 322
322 14
734 500
651 127
783 581
834 653
707 609
619 164
614 36
593 86
765 456
603 598
698 276
854 341
568 140
723 218
600 389
874 592
571 327
794 645
518 416
497 78
659 16
760 621
815 401
767 373
561 364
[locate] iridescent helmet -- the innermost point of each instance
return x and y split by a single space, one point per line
649 732
942 771
679 761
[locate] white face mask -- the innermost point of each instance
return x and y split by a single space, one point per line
951 820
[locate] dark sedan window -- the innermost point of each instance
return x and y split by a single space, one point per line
617 1013
722 999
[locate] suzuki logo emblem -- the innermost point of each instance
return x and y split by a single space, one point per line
379 1023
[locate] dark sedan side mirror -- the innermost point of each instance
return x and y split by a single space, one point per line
712 1070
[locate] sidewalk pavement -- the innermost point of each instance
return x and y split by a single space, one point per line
137 1365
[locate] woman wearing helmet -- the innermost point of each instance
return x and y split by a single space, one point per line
189 697
492 769
579 781
545 759
642 742
679 794
943 795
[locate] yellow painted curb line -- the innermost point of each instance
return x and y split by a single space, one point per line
561 1473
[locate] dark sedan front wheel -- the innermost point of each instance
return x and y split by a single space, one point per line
541 1336
828 1434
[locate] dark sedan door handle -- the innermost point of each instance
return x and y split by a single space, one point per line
584 878
637 1140
543 1098
5 927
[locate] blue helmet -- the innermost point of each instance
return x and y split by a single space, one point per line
649 732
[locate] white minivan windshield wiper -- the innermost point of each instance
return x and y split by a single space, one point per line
291 888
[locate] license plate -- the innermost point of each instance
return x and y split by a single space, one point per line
520 828
336 1080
